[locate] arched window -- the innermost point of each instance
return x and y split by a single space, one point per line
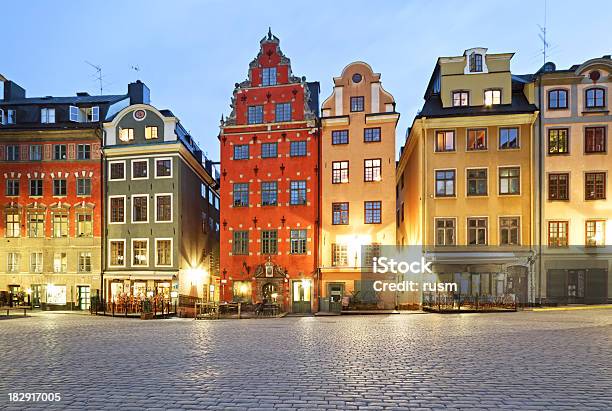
595 97
557 99
475 63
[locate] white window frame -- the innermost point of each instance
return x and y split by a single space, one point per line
144 160
110 163
171 167
171 251
147 128
93 114
132 208
435 232
467 231
130 135
116 240
47 115
39 262
74 113
124 209
171 207
132 252
492 92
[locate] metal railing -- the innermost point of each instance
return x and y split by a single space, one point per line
457 302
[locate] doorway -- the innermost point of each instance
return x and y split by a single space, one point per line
84 292
301 296
335 292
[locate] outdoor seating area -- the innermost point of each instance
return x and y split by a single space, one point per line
146 308
454 303
237 310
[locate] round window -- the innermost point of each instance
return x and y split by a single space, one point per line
356 78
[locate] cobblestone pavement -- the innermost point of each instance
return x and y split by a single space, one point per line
525 360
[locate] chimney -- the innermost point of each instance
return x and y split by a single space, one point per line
82 94
12 91
138 92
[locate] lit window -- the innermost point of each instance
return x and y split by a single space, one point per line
36 223
372 211
36 262
59 221
445 141
461 98
126 134
13 223
372 169
140 252
558 141
151 132
477 139
339 255
84 262
595 233
84 225
340 172
117 253
558 233
492 97
340 213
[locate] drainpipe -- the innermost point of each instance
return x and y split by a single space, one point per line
423 195
103 223
540 171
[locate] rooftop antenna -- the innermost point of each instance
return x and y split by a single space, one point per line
136 68
98 73
542 34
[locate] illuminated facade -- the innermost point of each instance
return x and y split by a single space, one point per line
357 182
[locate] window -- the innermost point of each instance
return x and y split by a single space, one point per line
12 152
117 209
12 262
297 193
93 114
595 140
340 172
47 115
36 223
11 117
477 182
509 180
269 193
371 135
36 188
445 231
117 171
241 152
595 98
558 141
241 194
461 98
84 262
477 139
73 113
83 151
36 152
476 63
372 211
140 252
340 213
297 149
445 141
164 252
140 207
83 186
240 244
163 209
13 223
140 169
509 230
268 76
445 183
557 233
59 219
117 253
492 97
477 231
372 169
340 137
283 112
84 225
339 255
298 241
508 138
151 132
59 152
595 233
12 187
59 187
269 150
269 242
557 99
357 103
558 186
369 252
36 262
163 167
126 134
595 186
255 115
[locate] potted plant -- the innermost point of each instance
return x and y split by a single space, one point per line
147 312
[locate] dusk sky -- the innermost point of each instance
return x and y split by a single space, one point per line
190 53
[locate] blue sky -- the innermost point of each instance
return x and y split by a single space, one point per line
190 53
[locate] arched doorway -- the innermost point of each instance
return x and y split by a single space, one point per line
269 291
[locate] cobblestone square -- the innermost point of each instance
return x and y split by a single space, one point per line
525 360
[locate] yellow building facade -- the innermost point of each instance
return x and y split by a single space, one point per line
465 179
357 177
575 207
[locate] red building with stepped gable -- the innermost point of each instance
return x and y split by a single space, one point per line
269 186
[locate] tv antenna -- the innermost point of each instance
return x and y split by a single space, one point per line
542 34
98 74
136 68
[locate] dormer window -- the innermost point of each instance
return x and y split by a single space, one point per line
84 115
595 98
461 98
126 134
476 63
11 117
492 97
268 76
47 115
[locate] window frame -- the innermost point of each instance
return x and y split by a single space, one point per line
271 243
593 130
244 241
493 99
595 221
79 186
337 173
110 170
132 205
31 186
268 76
437 229
557 186
587 174
518 232
267 191
110 251
110 209
371 169
595 105
156 260
561 242
558 99
475 130
375 135
357 104
132 254
518 138
242 192
156 160
269 145
258 114
299 143
509 178
446 134
467 181
281 108
339 137
460 94
12 187
375 211
59 189
340 213
132 167
454 179
156 212
301 241
477 228
238 149
83 151
299 190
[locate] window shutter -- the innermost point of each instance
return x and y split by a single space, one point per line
2 116
95 114
74 113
